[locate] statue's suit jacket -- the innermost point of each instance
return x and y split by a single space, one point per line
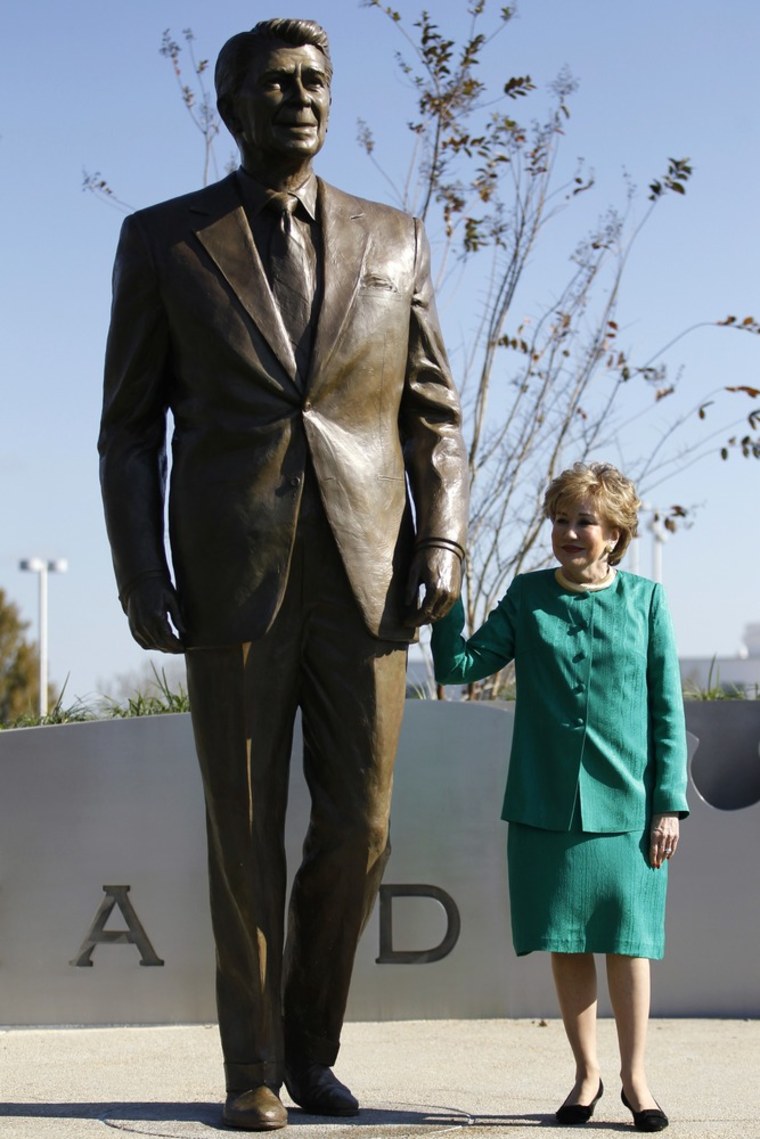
195 331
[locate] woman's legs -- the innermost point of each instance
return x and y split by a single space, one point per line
575 982
628 980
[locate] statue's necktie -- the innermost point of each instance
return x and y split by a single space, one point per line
291 273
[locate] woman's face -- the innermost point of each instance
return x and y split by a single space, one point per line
582 541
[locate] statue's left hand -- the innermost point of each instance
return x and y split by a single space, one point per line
438 572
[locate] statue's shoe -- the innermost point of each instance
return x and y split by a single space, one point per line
317 1089
258 1109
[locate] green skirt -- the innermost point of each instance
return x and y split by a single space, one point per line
573 892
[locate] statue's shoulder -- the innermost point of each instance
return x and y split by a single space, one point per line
378 212
207 200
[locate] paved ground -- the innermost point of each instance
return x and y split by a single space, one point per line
427 1078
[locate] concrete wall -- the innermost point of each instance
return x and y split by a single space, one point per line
118 804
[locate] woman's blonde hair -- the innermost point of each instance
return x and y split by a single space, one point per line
614 495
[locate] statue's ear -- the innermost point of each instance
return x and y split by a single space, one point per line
226 109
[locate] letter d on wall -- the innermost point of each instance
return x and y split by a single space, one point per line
391 956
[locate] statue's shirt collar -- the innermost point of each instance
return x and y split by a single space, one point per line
255 195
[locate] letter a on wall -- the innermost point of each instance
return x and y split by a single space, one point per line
134 934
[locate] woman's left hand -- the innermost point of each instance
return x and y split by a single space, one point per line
663 838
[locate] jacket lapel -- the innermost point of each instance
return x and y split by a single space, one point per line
344 241
228 241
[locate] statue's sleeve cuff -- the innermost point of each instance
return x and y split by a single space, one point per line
127 588
441 544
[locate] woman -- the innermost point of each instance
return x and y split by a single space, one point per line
597 774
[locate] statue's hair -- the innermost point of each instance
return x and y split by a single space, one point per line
234 60
613 494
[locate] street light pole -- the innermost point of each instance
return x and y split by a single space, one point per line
659 538
42 567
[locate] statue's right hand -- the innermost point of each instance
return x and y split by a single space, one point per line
152 607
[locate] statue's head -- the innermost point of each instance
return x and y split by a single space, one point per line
273 88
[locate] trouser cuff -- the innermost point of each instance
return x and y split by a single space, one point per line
243 1077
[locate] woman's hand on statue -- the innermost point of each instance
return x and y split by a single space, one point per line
434 583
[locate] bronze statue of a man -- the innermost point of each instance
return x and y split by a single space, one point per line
317 511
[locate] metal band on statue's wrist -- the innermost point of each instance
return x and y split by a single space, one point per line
441 544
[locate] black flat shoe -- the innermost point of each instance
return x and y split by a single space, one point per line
578 1112
650 1119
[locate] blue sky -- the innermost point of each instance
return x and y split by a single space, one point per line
84 86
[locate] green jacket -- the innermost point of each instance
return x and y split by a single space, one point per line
599 721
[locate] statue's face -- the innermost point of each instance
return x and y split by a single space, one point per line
282 108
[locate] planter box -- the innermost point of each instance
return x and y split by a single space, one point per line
103 898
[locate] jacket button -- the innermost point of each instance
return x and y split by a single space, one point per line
295 481
307 405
